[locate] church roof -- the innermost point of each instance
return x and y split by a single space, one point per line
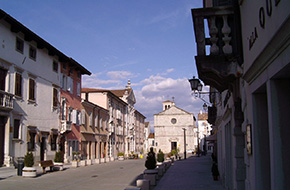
151 136
172 107
121 92
202 116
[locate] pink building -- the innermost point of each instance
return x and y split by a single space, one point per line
70 107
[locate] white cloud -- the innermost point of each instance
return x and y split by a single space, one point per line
94 82
157 89
119 74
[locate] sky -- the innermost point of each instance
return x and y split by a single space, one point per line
150 42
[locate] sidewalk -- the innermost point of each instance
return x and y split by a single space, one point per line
192 173
7 172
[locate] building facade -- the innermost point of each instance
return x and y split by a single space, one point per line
116 120
70 107
30 93
169 127
94 133
250 43
203 132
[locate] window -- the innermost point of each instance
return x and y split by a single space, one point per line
19 45
71 71
78 88
64 66
63 82
63 110
55 99
96 119
18 84
55 66
70 112
53 141
32 53
16 129
31 89
70 84
31 141
101 122
79 74
91 119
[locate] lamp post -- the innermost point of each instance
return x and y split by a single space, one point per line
184 133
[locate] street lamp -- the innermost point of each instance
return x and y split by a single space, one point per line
184 142
196 87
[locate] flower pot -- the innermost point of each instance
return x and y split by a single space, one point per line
58 166
28 172
83 162
215 178
121 158
75 163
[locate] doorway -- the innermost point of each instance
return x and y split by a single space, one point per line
42 148
173 145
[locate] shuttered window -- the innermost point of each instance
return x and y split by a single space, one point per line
32 89
18 84
55 99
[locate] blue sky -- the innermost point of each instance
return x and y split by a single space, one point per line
149 42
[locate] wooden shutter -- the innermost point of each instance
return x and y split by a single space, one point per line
18 82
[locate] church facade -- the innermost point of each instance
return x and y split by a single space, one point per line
169 127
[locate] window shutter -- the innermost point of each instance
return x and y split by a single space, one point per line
74 116
83 121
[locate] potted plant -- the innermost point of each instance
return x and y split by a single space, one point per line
58 161
160 156
215 171
28 170
120 156
75 161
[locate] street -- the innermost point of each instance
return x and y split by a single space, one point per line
110 176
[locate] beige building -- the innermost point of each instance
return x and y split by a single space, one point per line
116 119
169 126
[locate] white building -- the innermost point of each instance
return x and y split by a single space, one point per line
204 131
169 126
248 63
30 73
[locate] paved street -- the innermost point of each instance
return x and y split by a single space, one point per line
193 173
110 176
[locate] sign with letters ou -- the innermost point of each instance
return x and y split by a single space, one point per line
267 9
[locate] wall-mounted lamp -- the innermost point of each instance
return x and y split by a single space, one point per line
196 88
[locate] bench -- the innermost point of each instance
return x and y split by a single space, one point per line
46 163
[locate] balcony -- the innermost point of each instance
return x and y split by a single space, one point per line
219 55
65 126
6 101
